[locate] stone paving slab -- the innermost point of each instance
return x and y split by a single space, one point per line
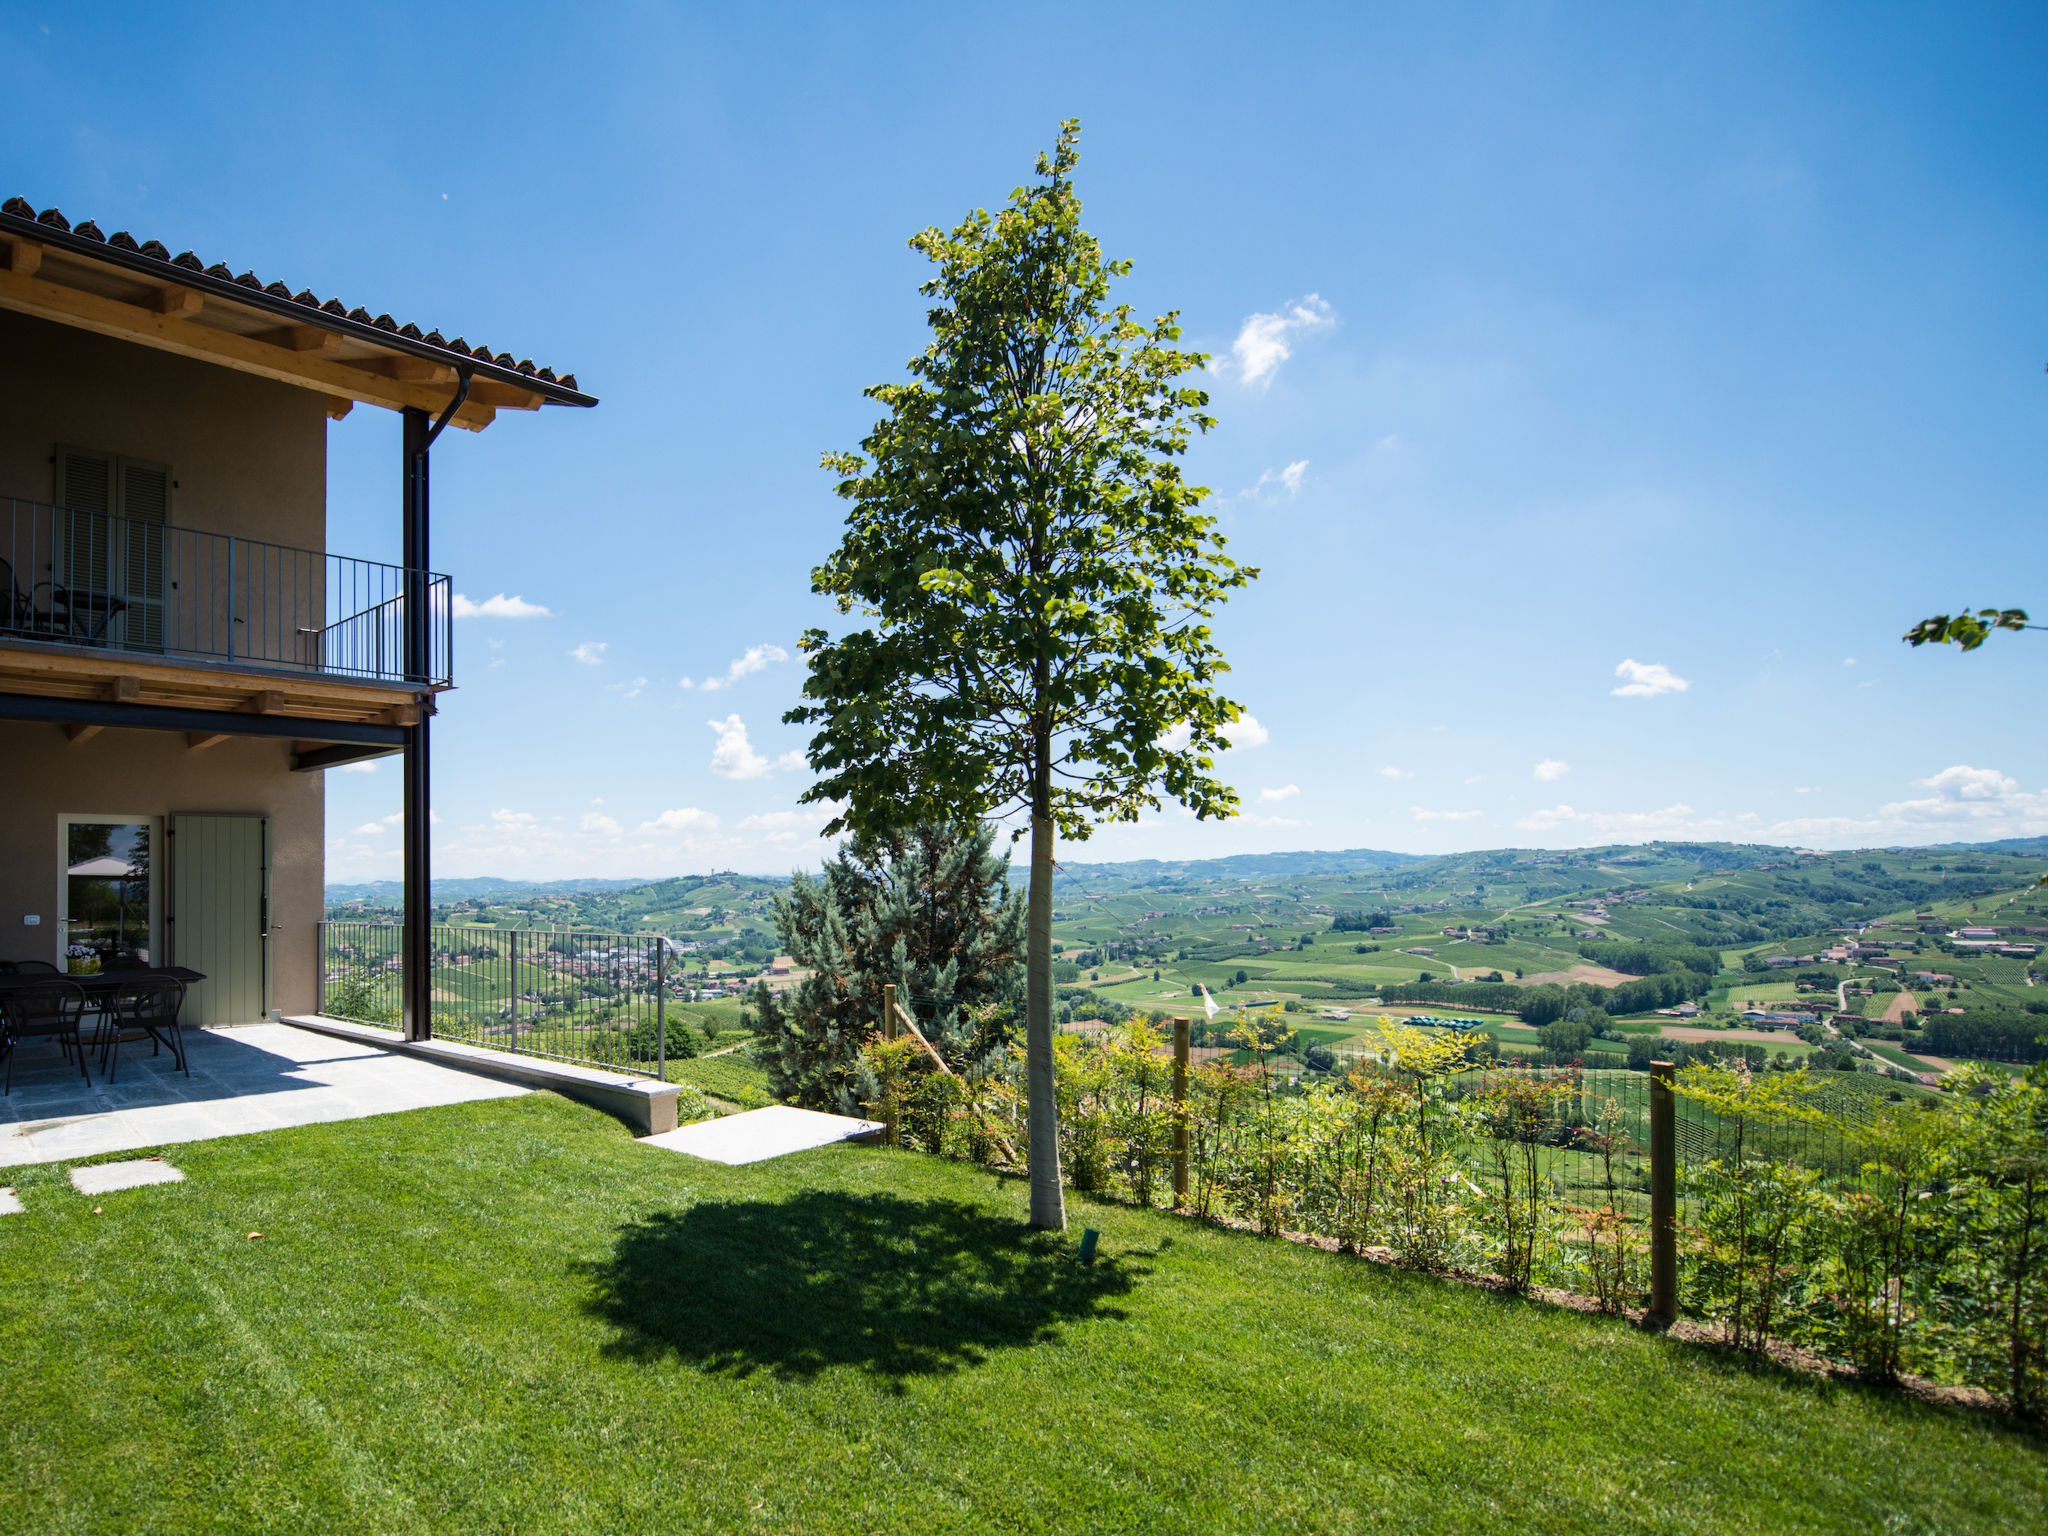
246 1077
105 1178
10 1203
760 1134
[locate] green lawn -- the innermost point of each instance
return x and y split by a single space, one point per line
507 1316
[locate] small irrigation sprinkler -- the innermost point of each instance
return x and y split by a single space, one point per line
1089 1238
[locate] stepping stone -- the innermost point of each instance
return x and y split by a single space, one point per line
103 1178
10 1203
760 1134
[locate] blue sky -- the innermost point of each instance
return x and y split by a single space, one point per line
1602 390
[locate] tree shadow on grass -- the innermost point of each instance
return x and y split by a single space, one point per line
895 1287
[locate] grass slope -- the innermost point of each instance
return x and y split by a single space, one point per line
508 1316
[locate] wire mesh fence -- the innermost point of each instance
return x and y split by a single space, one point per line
602 999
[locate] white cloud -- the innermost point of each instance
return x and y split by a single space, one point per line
499 607
792 760
685 818
627 690
1391 772
1802 789
1647 679
1245 731
1550 769
1265 341
734 757
684 682
1477 778
368 829
786 826
1425 815
1288 479
757 657
1284 792
514 818
1848 661
591 652
369 766
597 821
1673 820
1274 821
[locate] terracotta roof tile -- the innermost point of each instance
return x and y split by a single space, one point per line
156 251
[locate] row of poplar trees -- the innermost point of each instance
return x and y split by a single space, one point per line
1031 578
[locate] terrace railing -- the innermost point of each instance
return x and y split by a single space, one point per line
601 999
83 578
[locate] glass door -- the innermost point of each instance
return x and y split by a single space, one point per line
109 893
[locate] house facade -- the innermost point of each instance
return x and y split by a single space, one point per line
182 656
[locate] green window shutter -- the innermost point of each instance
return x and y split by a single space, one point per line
145 501
86 491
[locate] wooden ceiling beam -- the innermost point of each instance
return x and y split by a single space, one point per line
32 295
24 257
308 338
76 732
179 302
199 741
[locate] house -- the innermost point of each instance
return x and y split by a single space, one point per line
181 653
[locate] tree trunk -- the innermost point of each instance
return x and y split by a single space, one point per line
1048 1203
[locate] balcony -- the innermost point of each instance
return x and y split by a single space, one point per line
89 581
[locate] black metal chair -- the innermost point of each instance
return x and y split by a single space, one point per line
47 1008
35 968
18 611
143 1010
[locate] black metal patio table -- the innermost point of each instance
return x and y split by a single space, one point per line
99 987
100 983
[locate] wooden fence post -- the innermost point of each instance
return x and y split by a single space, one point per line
1180 1112
1663 1197
889 1082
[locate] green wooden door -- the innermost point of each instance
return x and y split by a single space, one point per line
220 915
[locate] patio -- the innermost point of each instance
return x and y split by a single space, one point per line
247 1077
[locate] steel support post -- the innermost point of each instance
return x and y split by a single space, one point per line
418 988
1663 1196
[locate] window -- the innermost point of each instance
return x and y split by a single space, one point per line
110 536
109 891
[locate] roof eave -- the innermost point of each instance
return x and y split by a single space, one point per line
551 392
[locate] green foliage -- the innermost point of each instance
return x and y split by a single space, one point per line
930 910
360 999
1967 629
1652 958
1995 1034
646 1038
1036 564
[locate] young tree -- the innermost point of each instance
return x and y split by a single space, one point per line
1037 573
929 909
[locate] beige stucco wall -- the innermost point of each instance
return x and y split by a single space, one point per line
249 458
154 773
249 455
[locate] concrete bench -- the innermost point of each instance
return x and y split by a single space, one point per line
648 1107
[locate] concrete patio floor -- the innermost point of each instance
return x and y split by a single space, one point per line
246 1077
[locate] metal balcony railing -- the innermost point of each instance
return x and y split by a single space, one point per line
82 578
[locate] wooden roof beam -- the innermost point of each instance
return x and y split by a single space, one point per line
32 295
24 256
